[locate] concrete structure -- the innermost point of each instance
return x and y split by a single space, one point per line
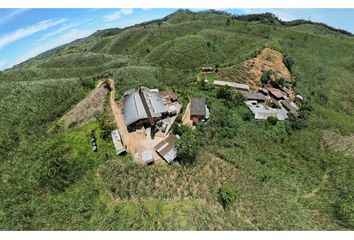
167 148
261 111
117 142
198 110
254 96
238 86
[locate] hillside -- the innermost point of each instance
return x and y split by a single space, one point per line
288 176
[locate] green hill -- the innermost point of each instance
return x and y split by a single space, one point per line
287 175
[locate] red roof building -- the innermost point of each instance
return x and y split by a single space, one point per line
276 93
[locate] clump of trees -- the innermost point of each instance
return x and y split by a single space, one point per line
228 195
105 127
266 76
301 121
230 97
187 145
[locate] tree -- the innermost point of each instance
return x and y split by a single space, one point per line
301 121
187 147
227 194
266 76
228 22
279 81
224 93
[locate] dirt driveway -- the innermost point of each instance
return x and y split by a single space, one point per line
135 142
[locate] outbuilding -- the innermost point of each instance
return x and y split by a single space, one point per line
276 93
254 96
167 148
198 110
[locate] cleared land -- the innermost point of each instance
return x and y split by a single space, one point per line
84 111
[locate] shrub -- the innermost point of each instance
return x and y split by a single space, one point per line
344 208
224 93
228 195
288 61
279 81
272 120
106 130
246 115
266 76
231 99
187 147
266 176
300 122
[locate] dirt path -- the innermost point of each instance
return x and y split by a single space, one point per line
118 117
134 142
318 188
186 119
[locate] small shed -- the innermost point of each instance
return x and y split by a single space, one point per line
254 96
289 106
286 90
167 148
276 93
207 69
299 98
198 110
117 142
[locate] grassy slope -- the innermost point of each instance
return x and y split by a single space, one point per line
272 169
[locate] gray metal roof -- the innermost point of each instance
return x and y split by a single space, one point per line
134 108
254 96
198 107
292 110
262 111
239 86
167 148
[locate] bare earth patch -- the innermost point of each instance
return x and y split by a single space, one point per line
336 142
84 111
268 59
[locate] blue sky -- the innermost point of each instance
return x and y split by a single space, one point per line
25 33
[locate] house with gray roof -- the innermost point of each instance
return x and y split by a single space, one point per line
199 110
135 113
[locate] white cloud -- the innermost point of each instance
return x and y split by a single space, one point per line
2 64
63 39
12 15
25 32
63 29
118 14
126 11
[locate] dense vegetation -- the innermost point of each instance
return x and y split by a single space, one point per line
271 175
